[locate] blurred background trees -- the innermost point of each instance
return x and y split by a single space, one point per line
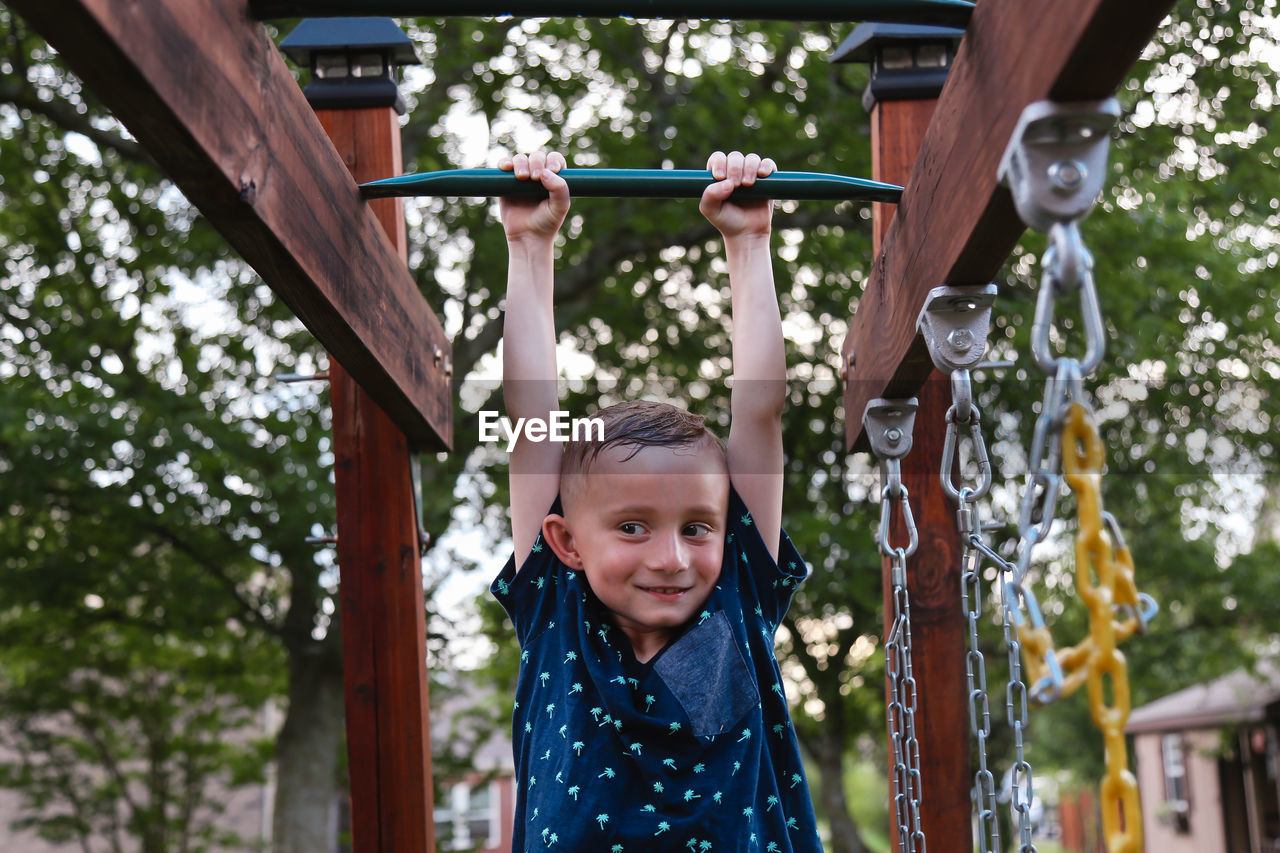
157 484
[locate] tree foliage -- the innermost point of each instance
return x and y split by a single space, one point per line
156 486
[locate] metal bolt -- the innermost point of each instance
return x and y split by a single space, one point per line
961 340
1067 175
893 435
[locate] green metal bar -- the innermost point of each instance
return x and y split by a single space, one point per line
950 13
632 183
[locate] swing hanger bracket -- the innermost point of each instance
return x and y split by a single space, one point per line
955 322
1057 159
889 424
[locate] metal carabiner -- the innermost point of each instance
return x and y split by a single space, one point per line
949 444
1067 266
886 510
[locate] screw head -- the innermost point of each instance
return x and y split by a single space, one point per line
1067 175
961 340
893 435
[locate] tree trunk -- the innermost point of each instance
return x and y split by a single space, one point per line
307 750
835 807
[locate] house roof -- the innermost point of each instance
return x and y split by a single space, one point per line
1238 697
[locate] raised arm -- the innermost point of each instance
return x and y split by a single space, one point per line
529 370
759 360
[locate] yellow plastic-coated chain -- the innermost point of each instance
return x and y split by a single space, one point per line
1037 644
1082 464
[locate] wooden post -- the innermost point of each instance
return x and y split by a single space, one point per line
382 605
933 572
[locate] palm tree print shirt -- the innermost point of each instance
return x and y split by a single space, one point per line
691 750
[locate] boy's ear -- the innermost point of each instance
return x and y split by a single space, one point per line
555 529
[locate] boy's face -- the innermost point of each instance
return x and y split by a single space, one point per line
649 533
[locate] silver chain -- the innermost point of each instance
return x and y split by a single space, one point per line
964 419
898 669
964 423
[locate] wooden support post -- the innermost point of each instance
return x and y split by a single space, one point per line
933 572
382 606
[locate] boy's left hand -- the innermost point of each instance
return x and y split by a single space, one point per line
731 171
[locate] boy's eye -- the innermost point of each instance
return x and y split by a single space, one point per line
698 529
630 528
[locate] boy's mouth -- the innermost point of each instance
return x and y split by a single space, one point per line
666 592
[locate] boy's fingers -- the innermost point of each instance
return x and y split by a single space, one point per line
557 186
556 161
713 197
767 167
520 165
505 164
735 166
537 160
716 165
750 169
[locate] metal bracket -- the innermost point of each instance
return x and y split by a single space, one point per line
1057 159
415 475
888 425
955 322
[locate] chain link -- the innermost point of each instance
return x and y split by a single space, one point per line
899 673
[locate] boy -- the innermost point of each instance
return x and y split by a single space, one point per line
650 712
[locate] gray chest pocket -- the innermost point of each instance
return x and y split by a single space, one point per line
705 671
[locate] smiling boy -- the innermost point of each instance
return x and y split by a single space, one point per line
650 708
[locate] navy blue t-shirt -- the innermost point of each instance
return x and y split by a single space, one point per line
691 750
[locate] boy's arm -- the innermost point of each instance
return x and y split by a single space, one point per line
759 360
529 370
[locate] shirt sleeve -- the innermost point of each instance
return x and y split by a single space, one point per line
770 582
531 596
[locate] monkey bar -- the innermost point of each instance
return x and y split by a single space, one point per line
632 183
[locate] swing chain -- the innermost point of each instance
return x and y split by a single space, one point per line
888 425
1066 444
1018 631
964 418
963 412
961 315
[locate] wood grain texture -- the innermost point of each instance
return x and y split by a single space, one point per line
955 225
933 572
202 87
380 582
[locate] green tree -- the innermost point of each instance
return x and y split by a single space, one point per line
157 486
227 469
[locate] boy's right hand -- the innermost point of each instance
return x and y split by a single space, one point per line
537 219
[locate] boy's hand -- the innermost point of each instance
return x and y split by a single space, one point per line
732 170
539 219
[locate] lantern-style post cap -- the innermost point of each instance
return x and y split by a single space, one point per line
908 61
352 61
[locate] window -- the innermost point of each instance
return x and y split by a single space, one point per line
1177 795
468 818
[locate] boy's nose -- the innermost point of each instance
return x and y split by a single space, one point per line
669 554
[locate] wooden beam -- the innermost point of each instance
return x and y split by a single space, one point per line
955 225
202 87
384 636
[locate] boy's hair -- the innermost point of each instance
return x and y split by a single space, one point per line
635 424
